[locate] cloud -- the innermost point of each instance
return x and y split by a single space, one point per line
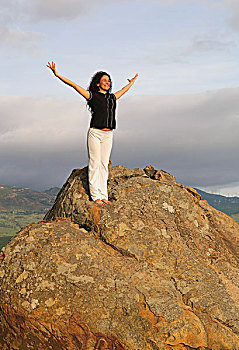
227 190
11 32
195 137
208 43
55 9
41 10
203 44
233 7
16 14
40 122
41 140
20 39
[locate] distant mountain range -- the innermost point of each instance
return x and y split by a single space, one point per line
228 205
13 198
22 206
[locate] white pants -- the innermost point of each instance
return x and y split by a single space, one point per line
99 149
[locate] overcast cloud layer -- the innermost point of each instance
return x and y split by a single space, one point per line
39 10
181 115
195 137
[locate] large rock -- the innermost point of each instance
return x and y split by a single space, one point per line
157 269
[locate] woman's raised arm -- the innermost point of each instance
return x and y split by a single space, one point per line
119 93
78 88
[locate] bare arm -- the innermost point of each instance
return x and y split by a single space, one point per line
119 93
78 88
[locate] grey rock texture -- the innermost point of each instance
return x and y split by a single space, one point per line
156 269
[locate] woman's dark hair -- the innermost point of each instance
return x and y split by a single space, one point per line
96 80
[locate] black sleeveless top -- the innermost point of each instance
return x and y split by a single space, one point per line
102 109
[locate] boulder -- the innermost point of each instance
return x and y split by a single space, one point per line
156 269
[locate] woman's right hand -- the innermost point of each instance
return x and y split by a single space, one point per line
52 66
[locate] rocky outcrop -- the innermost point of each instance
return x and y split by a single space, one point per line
156 269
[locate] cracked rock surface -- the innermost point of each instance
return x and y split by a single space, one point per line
156 269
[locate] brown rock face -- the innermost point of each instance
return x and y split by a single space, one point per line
157 269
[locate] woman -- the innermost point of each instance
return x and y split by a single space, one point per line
102 105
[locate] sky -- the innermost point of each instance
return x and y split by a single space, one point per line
181 115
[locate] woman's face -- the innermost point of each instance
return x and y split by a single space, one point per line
104 84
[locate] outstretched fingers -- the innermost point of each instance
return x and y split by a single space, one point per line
52 66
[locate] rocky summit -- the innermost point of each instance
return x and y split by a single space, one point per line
156 269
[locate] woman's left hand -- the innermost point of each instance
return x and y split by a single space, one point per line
133 79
